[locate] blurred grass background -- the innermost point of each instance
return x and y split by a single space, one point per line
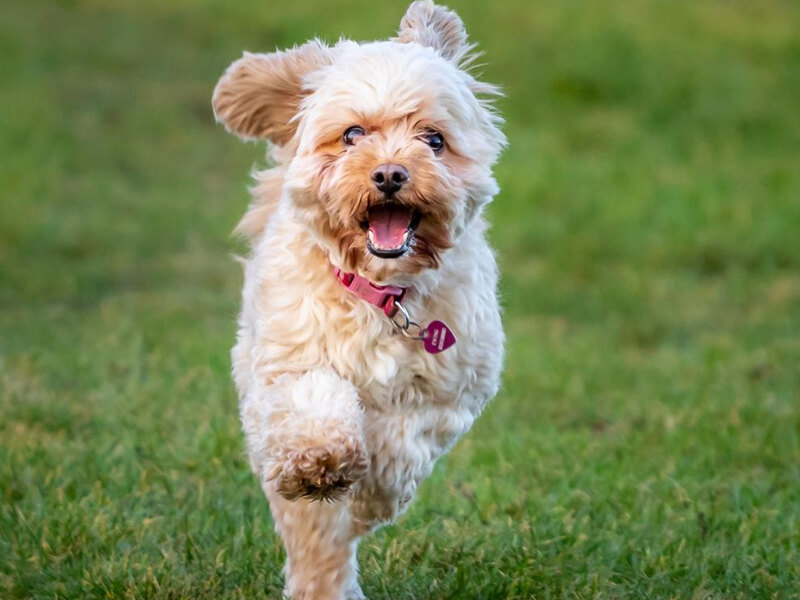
646 443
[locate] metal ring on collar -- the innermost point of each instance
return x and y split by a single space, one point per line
404 326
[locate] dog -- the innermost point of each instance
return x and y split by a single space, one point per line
369 338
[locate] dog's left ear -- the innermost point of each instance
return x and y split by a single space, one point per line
437 27
260 94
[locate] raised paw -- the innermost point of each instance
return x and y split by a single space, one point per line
321 472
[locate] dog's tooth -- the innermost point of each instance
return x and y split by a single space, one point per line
370 237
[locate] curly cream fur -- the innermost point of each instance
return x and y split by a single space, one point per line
335 404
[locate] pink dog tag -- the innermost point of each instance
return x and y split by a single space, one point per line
438 337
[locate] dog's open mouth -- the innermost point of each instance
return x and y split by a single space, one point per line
390 229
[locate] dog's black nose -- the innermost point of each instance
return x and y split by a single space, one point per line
389 178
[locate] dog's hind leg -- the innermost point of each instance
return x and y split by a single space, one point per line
320 548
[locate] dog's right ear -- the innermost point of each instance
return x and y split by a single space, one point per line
259 94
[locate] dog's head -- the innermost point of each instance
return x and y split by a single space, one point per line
388 145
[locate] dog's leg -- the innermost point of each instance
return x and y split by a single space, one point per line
305 434
306 444
353 590
320 548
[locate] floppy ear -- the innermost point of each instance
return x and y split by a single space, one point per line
259 94
436 27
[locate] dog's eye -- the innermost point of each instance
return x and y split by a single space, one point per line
351 134
435 140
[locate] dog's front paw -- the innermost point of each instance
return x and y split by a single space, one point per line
321 471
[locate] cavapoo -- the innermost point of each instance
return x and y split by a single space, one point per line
370 337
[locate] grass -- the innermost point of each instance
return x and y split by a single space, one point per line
646 443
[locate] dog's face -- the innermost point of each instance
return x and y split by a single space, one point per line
388 147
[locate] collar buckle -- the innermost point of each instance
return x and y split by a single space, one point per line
385 297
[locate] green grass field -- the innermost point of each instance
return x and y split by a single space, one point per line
646 443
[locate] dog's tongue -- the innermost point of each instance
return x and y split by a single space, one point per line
388 225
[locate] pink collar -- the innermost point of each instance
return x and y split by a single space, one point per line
384 297
435 337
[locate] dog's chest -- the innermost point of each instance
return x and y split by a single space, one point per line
390 371
305 319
